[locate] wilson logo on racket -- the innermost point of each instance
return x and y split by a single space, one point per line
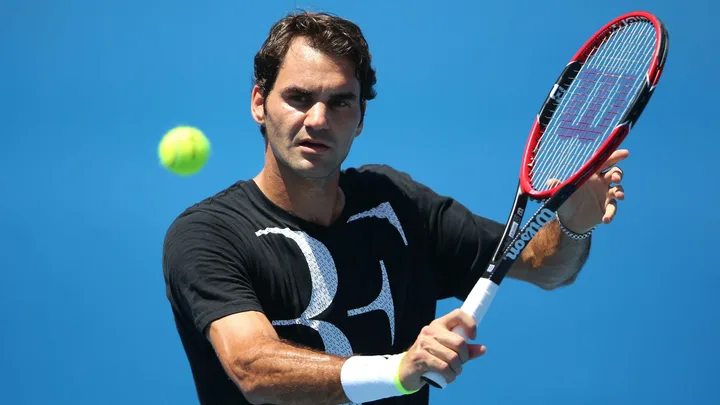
543 217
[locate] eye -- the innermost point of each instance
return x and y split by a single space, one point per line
340 103
299 98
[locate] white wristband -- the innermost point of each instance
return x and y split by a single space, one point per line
370 378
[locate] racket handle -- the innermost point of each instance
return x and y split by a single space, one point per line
476 305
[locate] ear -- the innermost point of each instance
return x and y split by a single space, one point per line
257 105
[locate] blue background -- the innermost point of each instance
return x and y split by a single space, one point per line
87 89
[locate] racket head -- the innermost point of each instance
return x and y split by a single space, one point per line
594 103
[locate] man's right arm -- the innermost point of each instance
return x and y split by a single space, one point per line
269 370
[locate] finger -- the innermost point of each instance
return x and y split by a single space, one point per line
448 355
610 211
552 183
476 350
614 158
617 192
453 342
434 363
458 318
614 175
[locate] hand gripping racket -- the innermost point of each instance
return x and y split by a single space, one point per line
590 110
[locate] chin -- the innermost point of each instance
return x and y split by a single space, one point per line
310 170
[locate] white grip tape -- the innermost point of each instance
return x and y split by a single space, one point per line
478 301
476 305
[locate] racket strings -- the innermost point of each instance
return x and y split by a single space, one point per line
603 90
589 132
577 141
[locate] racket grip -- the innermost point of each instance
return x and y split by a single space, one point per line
476 305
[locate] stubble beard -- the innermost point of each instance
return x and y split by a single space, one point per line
289 160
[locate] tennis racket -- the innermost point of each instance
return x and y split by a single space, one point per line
589 111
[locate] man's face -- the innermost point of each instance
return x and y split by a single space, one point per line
312 114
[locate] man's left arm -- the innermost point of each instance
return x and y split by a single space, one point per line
553 258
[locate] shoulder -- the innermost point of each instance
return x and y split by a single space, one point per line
383 177
210 239
216 218
374 179
376 171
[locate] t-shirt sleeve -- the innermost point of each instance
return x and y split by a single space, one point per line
206 271
460 242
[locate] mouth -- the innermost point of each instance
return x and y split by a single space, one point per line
311 146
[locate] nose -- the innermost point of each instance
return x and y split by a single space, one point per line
316 117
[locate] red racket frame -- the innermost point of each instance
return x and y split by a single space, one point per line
619 133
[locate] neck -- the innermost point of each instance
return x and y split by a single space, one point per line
319 201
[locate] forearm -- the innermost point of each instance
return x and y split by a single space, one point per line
551 259
279 373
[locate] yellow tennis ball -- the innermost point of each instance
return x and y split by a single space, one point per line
184 150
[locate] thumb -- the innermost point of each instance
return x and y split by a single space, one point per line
476 350
552 183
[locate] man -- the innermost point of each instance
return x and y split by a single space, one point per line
312 284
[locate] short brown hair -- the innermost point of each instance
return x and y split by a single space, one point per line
327 33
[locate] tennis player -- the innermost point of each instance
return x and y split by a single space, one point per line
312 284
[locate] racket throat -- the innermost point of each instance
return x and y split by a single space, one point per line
516 239
497 269
528 232
513 223
542 216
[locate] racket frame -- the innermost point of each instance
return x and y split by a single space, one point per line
627 121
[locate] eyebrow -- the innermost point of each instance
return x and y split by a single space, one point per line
295 89
346 95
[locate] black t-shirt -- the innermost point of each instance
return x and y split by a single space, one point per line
365 285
